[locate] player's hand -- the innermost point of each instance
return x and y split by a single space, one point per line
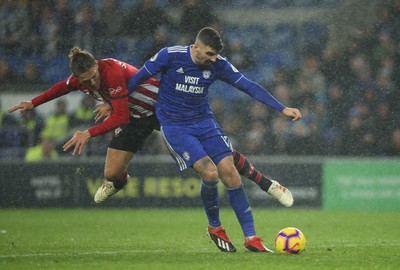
103 110
78 140
292 112
22 106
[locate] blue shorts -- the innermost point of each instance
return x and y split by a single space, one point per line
189 143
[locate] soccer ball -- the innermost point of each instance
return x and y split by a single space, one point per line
290 240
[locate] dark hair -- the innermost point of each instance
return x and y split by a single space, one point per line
80 61
210 37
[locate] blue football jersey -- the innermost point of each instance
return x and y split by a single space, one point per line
182 96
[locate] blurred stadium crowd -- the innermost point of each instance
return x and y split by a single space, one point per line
349 96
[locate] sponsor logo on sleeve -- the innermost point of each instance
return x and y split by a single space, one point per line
114 91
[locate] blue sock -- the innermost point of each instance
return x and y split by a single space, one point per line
241 206
209 195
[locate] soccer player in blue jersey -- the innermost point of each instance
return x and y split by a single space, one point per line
191 133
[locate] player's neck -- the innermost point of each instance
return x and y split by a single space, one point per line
192 54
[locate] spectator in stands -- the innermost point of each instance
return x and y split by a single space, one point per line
258 112
280 126
358 138
384 19
239 55
394 147
145 18
43 151
83 116
13 27
337 106
282 92
219 108
34 41
231 125
111 19
195 15
50 30
332 67
311 72
385 75
395 18
65 18
57 124
160 40
366 89
87 28
303 95
30 74
257 139
7 75
385 47
304 136
31 124
383 126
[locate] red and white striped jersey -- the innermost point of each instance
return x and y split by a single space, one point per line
114 75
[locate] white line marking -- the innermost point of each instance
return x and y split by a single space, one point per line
203 250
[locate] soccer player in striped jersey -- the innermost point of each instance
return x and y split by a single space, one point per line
130 116
191 133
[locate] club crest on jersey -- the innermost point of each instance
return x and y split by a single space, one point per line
186 156
206 74
117 131
154 57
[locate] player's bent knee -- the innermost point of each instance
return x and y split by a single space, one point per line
210 175
206 169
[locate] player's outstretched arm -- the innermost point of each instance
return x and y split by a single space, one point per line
292 112
22 106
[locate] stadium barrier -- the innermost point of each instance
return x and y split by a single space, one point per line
332 184
154 182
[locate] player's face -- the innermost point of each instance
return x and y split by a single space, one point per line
203 54
91 78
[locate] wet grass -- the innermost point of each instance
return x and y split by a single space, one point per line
175 239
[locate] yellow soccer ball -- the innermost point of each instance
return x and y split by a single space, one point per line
290 240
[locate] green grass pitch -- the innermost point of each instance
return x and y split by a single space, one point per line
175 239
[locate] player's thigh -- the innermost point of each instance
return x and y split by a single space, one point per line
117 161
185 148
217 147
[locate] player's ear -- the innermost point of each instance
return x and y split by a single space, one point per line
196 45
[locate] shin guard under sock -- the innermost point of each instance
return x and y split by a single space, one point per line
241 206
209 195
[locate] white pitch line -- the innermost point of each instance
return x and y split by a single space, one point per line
105 253
203 250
